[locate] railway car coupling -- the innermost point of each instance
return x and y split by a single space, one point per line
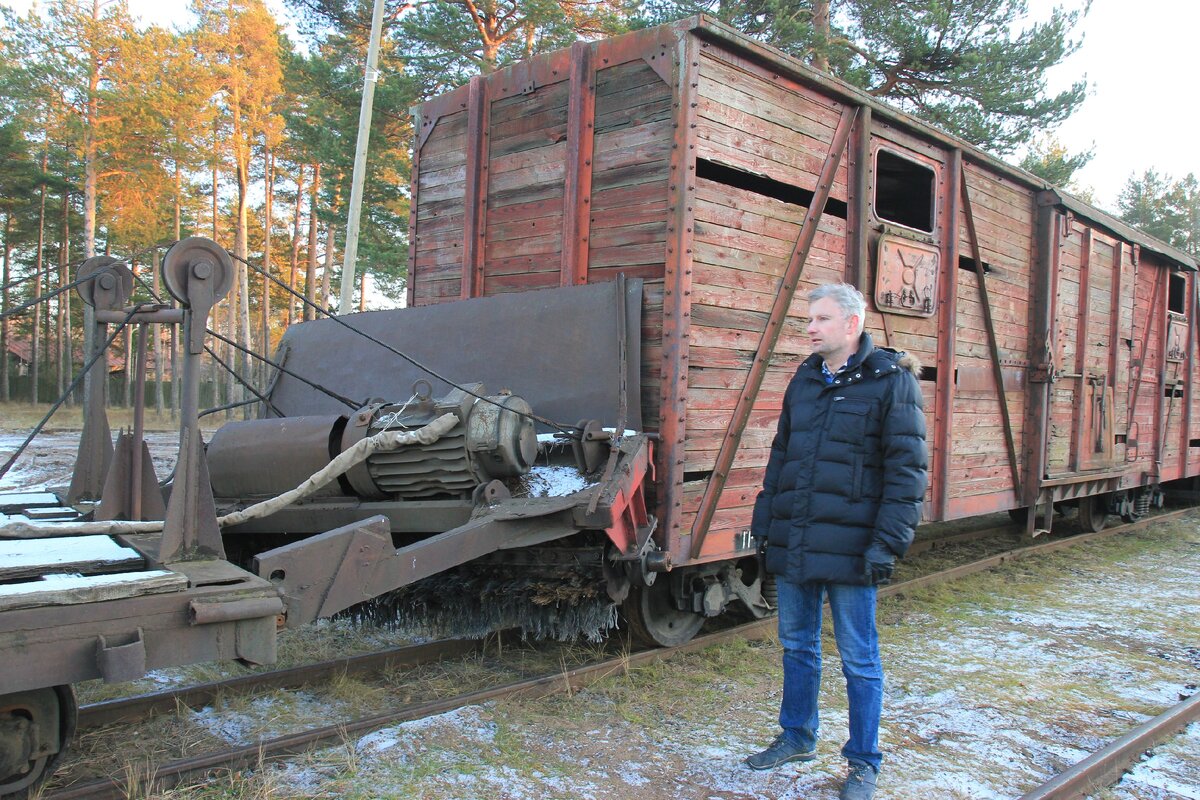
1136 503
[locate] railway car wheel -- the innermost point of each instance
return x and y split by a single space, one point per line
1093 513
35 727
653 618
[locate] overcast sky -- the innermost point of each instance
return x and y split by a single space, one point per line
1139 58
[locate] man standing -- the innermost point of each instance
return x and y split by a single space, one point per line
841 497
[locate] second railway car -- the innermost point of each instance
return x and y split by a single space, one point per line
1059 343
715 181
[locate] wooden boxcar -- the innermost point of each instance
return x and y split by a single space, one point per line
1059 344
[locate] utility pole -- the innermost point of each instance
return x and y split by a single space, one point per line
360 161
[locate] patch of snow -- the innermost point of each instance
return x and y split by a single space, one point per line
70 582
467 722
265 717
1171 771
550 481
65 550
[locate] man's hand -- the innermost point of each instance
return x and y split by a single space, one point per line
879 562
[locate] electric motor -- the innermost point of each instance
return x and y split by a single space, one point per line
494 438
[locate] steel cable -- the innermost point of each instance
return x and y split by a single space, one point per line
340 398
262 358
56 292
566 430
75 383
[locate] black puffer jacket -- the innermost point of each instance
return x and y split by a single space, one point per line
847 468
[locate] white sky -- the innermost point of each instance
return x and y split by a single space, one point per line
1139 59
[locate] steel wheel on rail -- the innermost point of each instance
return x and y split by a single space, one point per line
654 618
1093 512
35 727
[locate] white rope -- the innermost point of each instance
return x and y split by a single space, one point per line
345 461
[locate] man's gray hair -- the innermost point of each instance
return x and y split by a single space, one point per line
848 299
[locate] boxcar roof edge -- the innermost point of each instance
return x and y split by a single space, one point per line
713 29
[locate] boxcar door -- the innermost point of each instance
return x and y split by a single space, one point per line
1088 321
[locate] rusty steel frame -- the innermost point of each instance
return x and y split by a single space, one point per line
577 191
859 207
1041 355
1185 434
993 343
1081 342
788 283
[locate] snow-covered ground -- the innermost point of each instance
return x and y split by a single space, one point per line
994 684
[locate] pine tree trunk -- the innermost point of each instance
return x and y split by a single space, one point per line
66 356
265 303
295 264
130 365
158 331
35 342
176 389
310 274
820 54
4 392
242 248
327 271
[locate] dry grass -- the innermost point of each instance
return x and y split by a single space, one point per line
21 417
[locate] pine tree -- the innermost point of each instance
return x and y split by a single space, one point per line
975 68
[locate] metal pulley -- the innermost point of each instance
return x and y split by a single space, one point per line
111 282
194 260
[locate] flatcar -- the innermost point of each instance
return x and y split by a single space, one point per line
609 247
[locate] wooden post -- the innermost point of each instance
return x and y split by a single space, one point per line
577 197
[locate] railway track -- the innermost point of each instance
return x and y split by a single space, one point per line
178 771
1106 765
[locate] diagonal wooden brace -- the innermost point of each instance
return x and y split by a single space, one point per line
766 345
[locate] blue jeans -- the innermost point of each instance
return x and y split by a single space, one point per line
853 610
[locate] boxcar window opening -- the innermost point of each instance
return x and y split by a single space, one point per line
1177 293
768 187
903 191
930 374
967 263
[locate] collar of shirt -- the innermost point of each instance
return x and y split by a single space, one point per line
830 375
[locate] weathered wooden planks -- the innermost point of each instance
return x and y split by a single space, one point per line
61 590
24 558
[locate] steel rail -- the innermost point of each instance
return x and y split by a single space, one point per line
1105 766
175 772
139 707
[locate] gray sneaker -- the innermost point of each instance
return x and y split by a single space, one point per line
860 783
781 751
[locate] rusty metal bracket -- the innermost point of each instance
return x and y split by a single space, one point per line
766 345
124 661
993 344
197 273
110 285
